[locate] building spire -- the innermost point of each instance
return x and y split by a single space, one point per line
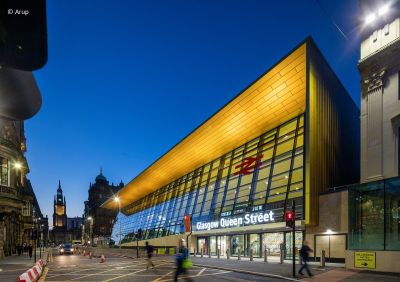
101 171
59 183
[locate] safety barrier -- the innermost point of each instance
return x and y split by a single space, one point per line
33 273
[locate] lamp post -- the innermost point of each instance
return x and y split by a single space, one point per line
116 199
90 230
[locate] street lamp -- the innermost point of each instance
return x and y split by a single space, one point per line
90 230
116 199
381 12
17 165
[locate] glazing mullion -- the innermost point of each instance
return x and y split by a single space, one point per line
192 193
256 171
228 179
271 170
239 179
205 190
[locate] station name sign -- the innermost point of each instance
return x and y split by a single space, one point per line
247 219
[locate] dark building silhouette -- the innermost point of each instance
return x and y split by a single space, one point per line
99 221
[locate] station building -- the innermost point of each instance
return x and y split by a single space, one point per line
292 134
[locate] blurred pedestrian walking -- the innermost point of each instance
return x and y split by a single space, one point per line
183 262
149 252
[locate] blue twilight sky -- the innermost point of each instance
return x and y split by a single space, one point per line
126 80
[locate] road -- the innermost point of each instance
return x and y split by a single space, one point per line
81 268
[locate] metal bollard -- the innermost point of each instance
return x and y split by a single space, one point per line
209 253
218 253
238 254
251 255
282 256
194 254
228 254
202 253
265 255
323 258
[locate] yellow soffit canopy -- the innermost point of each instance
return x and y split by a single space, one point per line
277 96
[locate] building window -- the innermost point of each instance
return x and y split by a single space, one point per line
4 171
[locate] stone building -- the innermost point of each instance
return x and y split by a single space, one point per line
99 221
17 198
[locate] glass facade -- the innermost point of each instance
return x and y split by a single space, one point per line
265 174
374 215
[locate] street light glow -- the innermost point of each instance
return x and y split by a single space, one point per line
370 18
17 165
383 10
89 218
116 199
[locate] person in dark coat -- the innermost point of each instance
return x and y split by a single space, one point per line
149 252
305 254
30 250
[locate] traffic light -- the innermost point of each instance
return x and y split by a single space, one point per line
188 224
23 34
289 218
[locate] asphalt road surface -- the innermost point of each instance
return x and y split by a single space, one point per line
81 268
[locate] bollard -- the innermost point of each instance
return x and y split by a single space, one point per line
238 253
228 254
202 253
209 253
265 255
251 255
323 258
218 253
194 254
282 256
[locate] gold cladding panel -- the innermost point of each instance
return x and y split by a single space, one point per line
276 97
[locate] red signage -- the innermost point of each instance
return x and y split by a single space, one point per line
248 165
188 225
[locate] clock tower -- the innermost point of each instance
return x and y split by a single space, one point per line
60 210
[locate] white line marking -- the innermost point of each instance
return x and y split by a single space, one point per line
200 272
158 279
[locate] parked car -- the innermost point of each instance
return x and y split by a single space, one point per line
66 249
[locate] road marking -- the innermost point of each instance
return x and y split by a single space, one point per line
123 275
127 274
208 274
100 273
158 279
200 272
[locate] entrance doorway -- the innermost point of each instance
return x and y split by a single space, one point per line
222 244
334 246
202 246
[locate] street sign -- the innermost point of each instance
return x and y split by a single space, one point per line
364 260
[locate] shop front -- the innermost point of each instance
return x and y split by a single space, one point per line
246 234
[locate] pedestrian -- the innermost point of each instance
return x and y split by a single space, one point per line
182 260
30 250
149 252
304 254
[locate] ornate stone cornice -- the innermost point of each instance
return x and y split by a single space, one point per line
375 80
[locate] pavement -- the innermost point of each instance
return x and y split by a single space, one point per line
124 266
119 269
13 266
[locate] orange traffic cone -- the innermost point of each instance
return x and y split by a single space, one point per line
102 259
